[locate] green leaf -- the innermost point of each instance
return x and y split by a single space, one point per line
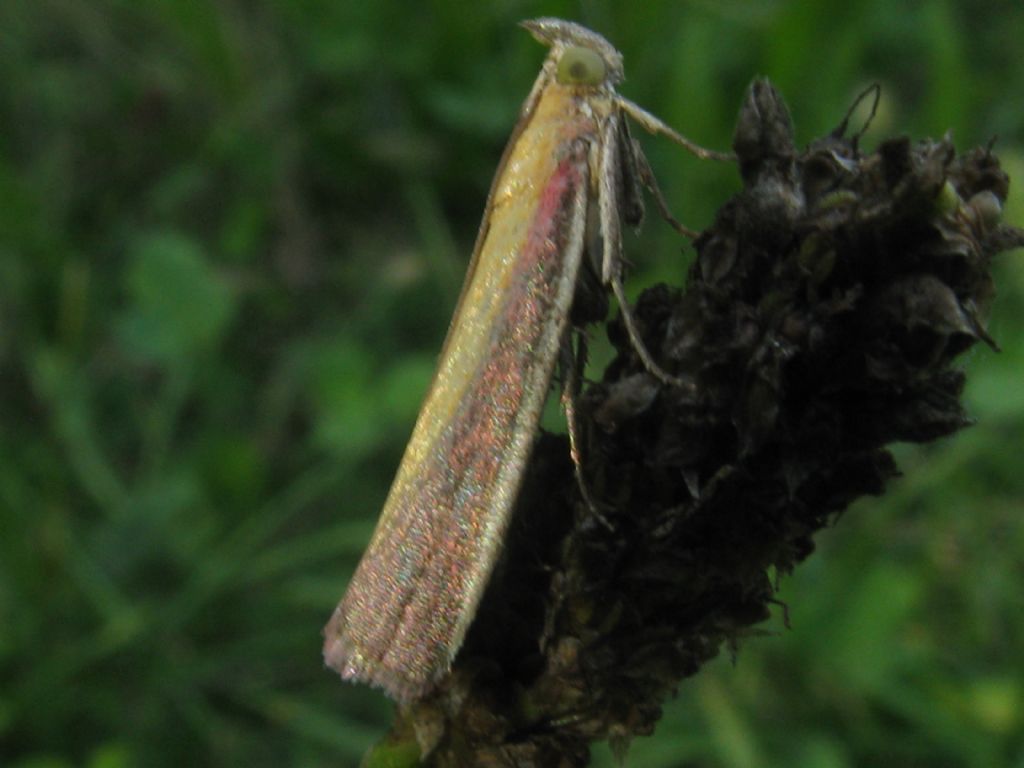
179 306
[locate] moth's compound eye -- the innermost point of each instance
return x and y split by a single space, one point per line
580 66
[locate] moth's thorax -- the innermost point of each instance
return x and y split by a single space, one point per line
561 115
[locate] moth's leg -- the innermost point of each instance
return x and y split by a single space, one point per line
650 182
609 198
631 197
610 207
638 175
637 343
656 126
572 365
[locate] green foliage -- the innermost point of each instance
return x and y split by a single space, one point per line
231 235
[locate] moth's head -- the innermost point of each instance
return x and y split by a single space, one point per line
581 57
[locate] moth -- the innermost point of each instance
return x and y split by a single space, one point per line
568 180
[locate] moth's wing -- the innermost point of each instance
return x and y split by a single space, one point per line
525 115
418 585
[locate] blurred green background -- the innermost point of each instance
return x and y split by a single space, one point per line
231 236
